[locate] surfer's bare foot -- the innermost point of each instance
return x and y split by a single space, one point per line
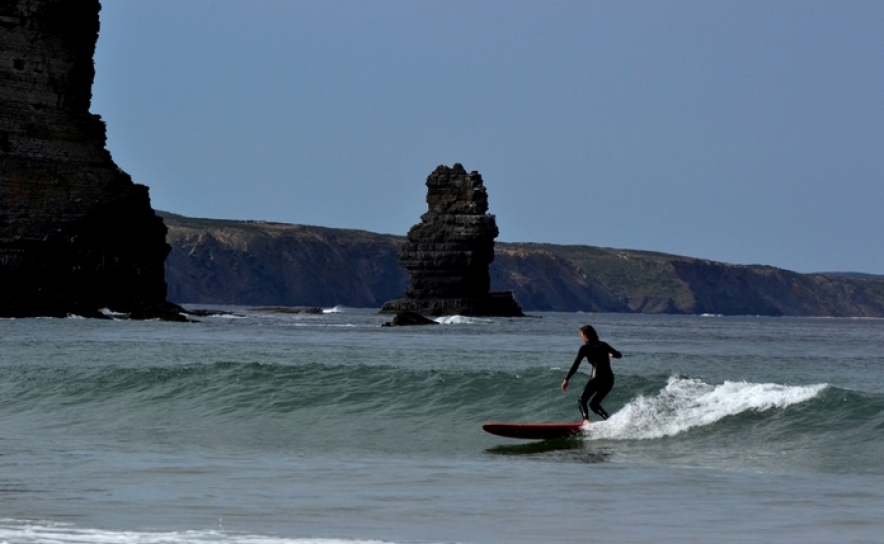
586 422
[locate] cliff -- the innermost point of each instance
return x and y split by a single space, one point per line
259 263
581 278
248 263
76 234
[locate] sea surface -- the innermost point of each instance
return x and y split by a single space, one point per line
272 428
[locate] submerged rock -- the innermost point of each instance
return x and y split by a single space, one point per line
406 318
164 311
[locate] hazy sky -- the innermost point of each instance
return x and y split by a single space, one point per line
744 132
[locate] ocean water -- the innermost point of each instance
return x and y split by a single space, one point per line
330 429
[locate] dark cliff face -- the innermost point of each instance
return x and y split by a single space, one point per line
251 263
761 290
76 234
568 278
543 281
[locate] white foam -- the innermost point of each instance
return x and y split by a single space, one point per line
685 404
336 310
25 532
459 320
110 313
228 316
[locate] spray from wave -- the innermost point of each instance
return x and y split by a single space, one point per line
25 532
688 403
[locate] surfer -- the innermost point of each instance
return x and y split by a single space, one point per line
598 354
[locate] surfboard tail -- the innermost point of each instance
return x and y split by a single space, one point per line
534 431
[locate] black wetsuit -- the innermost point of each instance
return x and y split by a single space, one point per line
602 376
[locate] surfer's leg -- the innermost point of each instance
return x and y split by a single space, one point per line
597 408
581 403
596 403
584 398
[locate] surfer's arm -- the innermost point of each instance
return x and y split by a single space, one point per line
613 352
573 370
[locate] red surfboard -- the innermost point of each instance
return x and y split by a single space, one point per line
534 431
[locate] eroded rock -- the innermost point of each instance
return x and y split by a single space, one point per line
76 234
448 253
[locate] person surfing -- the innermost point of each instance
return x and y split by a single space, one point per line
601 382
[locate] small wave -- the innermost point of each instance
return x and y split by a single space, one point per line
322 325
336 310
688 403
460 320
25 532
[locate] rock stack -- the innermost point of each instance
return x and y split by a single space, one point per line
447 254
76 234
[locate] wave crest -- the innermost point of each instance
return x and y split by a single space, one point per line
688 403
460 320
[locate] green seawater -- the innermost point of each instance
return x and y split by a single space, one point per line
254 427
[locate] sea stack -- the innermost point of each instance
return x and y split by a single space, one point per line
447 254
76 234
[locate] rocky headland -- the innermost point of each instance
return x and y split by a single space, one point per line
256 263
76 234
447 254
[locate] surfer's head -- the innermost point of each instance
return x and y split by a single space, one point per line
589 334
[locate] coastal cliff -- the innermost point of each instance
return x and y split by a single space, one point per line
248 263
76 234
547 277
260 263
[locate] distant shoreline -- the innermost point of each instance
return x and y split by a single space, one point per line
255 263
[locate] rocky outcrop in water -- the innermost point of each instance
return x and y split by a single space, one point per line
76 234
448 253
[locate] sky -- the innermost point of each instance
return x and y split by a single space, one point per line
746 132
